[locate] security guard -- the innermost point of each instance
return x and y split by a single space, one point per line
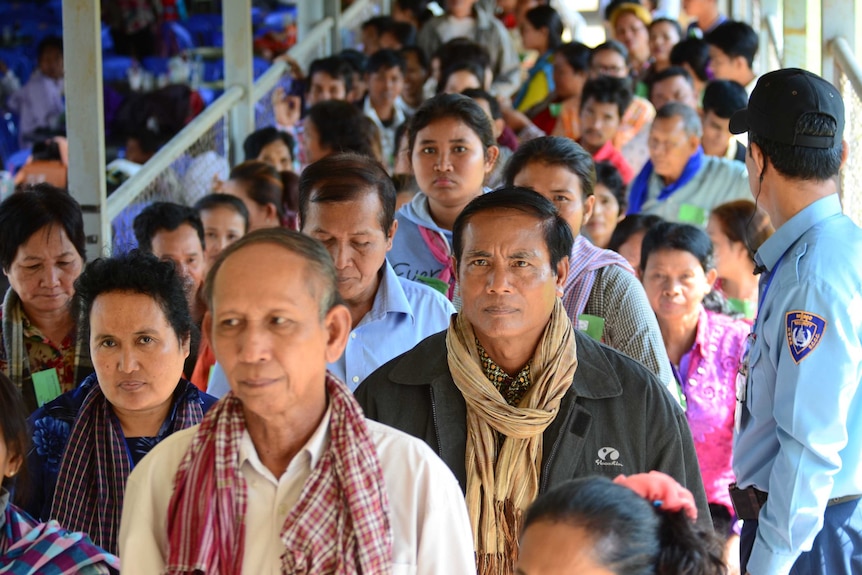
798 448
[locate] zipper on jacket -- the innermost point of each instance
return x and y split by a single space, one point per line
544 483
434 419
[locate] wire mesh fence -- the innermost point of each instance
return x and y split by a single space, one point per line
851 173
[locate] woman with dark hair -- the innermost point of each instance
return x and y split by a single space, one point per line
452 150
541 30
87 441
664 34
460 76
637 525
630 24
693 55
42 251
27 545
271 146
704 346
737 229
262 189
335 126
610 207
629 234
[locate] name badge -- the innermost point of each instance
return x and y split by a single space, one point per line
592 325
742 381
689 214
46 383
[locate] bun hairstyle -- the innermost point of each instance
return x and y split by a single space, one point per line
630 535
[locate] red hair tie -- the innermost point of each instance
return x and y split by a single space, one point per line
661 490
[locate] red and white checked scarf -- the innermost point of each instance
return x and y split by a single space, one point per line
92 478
339 525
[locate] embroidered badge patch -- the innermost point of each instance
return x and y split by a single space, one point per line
804 332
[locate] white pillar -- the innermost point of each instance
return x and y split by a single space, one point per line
85 125
839 18
238 71
796 34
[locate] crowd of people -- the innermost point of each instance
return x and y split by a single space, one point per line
482 300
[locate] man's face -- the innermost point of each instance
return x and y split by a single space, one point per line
182 246
567 82
267 332
562 187
673 89
51 63
277 155
662 38
414 76
608 63
724 67
696 8
670 147
599 124
370 40
633 33
459 8
353 237
385 85
716 134
508 286
325 87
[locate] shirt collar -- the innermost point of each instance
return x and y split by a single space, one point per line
605 152
772 249
390 297
313 449
701 338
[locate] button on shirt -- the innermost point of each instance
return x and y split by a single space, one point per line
800 432
430 527
403 314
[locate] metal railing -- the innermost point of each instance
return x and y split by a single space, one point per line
848 80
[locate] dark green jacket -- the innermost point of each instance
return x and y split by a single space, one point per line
616 417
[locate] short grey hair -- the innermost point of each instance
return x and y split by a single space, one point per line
690 119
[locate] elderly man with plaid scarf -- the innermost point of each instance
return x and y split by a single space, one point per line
284 474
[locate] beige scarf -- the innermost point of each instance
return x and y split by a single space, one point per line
501 485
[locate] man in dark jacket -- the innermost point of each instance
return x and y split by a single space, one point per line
511 397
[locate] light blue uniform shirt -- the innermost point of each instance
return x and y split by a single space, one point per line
403 314
800 427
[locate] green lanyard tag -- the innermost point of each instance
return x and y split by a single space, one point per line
592 325
47 386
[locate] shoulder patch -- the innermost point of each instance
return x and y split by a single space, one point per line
804 331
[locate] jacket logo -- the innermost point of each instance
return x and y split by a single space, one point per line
804 331
608 456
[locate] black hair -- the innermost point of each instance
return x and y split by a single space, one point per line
336 67
46 150
577 56
25 213
312 251
400 132
629 226
608 90
455 106
46 44
557 233
461 66
263 183
416 51
609 176
674 24
735 39
149 141
480 94
629 534
724 97
166 216
554 151
213 201
385 59
259 139
134 272
342 127
461 49
379 23
743 221
671 72
13 432
612 46
419 9
798 162
544 16
355 59
695 53
404 33
347 177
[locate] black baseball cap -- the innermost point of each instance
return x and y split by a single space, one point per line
780 98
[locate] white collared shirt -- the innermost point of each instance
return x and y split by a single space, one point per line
428 516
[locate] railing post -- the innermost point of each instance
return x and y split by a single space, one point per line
795 34
767 8
238 71
332 9
85 124
839 18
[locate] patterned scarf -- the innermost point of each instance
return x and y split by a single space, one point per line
500 485
30 548
585 261
96 464
16 351
639 191
339 525
439 248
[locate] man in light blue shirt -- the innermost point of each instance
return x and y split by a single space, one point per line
799 417
347 202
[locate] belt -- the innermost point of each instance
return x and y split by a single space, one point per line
748 502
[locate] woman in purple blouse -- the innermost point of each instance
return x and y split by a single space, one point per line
704 346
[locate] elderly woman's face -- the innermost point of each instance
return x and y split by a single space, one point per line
44 270
137 354
557 548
